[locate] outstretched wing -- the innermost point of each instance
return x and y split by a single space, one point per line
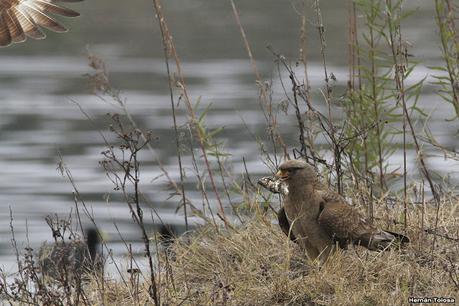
20 19
342 222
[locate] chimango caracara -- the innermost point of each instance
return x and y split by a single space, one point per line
20 19
319 218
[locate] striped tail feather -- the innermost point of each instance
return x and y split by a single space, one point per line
383 240
51 7
5 36
399 237
14 27
25 18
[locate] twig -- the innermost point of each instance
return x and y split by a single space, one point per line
170 46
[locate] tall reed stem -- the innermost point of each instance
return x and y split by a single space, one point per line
170 46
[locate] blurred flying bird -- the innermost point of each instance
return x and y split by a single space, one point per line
20 19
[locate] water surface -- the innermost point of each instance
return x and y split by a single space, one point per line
42 80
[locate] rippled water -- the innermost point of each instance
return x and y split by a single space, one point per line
40 80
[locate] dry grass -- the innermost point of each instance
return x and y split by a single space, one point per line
256 265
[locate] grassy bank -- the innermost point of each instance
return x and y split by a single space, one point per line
257 265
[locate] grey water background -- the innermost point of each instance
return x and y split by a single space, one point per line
40 79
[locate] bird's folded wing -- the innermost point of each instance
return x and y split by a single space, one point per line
24 18
285 224
341 221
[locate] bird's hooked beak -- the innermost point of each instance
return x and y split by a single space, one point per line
282 174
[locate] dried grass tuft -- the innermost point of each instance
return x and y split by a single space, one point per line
257 265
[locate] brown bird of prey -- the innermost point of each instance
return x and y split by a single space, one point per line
20 19
319 218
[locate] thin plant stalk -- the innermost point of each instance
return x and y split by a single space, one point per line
265 104
400 68
171 51
337 150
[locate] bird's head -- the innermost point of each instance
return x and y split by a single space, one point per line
296 171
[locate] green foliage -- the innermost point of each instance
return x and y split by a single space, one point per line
447 78
373 107
207 135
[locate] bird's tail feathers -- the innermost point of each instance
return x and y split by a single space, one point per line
385 239
399 237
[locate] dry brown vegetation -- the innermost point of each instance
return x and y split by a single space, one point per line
256 264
